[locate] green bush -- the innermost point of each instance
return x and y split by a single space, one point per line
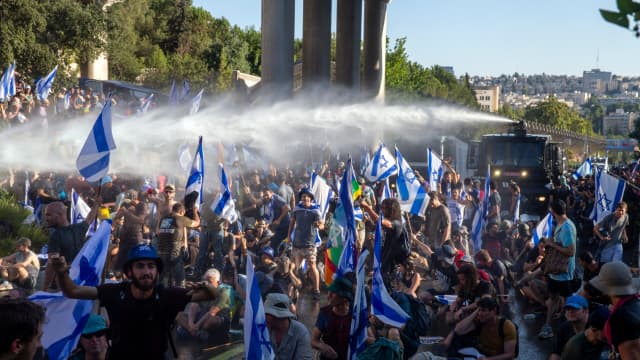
12 216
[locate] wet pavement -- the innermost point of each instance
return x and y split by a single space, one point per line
531 347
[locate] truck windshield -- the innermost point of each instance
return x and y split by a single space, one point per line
517 154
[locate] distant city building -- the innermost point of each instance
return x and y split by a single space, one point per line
488 97
618 123
595 81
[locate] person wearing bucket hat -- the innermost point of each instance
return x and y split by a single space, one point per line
306 219
66 239
141 311
622 331
93 342
330 335
289 338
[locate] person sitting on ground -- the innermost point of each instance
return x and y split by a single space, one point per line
267 263
21 267
289 338
497 271
93 343
20 328
623 328
589 344
408 278
576 311
330 335
481 328
383 341
208 319
533 284
443 273
469 290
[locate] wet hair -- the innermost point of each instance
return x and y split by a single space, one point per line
488 303
394 206
21 320
177 207
559 207
470 274
621 205
483 255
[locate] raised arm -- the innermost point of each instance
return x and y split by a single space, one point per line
69 288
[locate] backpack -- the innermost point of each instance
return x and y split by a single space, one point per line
501 334
509 275
405 243
418 325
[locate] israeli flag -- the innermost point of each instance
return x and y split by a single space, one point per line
543 229
186 89
195 182
584 169
223 205
322 192
8 82
27 187
382 305
93 161
386 191
446 299
195 103
66 317
479 218
347 263
412 196
174 97
382 165
365 160
257 342
516 209
79 208
67 100
634 171
360 319
609 192
43 86
434 169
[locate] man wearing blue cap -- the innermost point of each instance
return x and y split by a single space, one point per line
306 219
93 341
141 311
589 344
576 311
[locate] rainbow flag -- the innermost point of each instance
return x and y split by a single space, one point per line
331 260
356 190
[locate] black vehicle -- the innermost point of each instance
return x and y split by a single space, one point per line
529 160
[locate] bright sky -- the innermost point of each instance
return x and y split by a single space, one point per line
491 37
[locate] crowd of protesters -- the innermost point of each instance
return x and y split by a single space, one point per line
165 251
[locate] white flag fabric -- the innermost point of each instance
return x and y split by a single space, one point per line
544 229
223 205
322 192
93 160
195 103
386 191
609 192
43 86
79 208
585 169
257 342
382 304
360 320
381 166
479 218
412 196
434 169
195 181
67 317
8 82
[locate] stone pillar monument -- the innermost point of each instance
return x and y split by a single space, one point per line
277 27
316 43
349 23
375 32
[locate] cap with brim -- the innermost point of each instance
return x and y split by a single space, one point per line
342 287
105 180
614 279
467 259
169 187
448 254
277 305
576 302
598 318
94 324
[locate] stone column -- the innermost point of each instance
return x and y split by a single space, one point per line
278 19
316 43
349 23
375 32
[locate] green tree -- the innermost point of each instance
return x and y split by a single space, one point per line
555 113
627 16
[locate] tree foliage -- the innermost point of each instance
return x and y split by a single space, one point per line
627 16
408 80
557 114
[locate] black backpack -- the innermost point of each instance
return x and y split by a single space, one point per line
501 334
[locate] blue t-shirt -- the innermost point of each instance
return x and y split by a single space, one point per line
273 209
565 235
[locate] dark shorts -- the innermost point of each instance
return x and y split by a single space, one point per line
562 288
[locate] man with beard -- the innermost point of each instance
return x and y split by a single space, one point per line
141 312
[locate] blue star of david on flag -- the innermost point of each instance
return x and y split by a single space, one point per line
609 192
